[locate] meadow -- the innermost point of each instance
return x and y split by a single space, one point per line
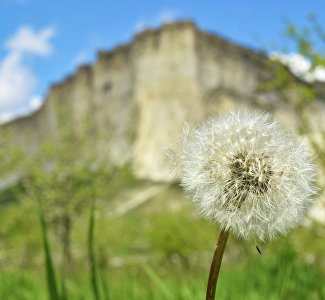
160 249
74 227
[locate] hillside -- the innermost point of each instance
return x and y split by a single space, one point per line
134 99
102 182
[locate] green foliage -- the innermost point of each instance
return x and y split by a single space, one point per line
158 282
299 93
51 278
66 182
91 250
150 253
304 38
178 234
12 157
22 285
279 275
20 232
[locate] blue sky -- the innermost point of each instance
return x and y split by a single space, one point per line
41 41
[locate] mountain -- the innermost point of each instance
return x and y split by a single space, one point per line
133 100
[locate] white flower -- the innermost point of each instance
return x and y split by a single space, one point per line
247 174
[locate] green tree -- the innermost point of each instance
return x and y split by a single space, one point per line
66 180
310 42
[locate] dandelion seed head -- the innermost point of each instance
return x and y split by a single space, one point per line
247 174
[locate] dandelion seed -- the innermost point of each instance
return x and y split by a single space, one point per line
246 174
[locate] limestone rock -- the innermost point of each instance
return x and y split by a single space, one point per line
132 102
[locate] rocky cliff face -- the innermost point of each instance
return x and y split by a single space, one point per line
134 99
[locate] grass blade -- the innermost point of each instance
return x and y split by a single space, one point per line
104 285
51 279
158 281
91 252
64 295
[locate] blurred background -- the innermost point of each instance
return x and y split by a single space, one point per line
91 93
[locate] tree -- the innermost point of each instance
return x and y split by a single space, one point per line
65 180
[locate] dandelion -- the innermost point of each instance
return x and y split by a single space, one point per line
246 174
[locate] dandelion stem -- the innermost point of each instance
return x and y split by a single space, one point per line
216 264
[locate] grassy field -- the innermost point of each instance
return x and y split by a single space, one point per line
280 275
157 249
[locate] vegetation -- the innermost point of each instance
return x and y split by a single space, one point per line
282 274
150 253
62 211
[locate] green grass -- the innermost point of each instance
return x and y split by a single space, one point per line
51 278
92 259
162 249
279 275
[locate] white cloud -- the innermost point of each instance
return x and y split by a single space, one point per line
28 40
300 66
17 81
35 103
140 26
80 59
6 117
165 16
319 73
